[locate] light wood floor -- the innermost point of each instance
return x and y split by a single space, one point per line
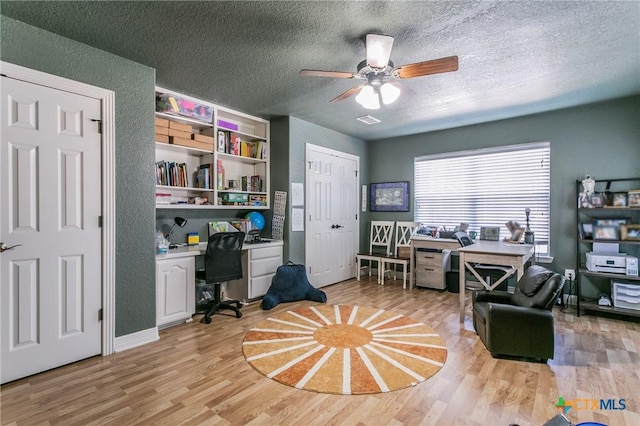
196 374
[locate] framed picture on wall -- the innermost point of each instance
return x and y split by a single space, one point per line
389 197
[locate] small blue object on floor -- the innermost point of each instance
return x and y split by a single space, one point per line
290 284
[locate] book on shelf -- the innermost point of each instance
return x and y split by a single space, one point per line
170 173
219 175
222 141
204 176
234 144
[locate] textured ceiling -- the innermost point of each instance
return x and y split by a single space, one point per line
516 58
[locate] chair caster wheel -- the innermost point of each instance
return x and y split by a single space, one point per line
206 320
238 314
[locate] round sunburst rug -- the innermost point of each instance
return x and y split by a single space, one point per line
344 349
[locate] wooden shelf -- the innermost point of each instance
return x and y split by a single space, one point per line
180 148
186 206
584 271
193 121
183 188
248 160
594 307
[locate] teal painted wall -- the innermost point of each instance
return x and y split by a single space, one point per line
133 85
602 140
292 136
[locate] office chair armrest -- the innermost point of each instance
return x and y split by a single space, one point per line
496 296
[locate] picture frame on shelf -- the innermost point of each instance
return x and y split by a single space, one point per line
585 230
633 198
606 232
619 199
389 197
611 221
630 232
597 200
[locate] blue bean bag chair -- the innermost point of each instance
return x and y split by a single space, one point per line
290 284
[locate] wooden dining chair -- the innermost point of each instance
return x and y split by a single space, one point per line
402 252
379 245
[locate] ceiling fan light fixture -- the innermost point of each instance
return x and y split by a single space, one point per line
390 93
378 50
368 98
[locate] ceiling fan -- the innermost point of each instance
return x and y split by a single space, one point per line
380 75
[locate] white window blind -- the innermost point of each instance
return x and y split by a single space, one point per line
486 187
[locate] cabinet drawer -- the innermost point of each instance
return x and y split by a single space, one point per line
626 295
264 266
263 253
429 259
432 279
260 285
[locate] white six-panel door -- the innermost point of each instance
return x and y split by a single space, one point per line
51 205
331 215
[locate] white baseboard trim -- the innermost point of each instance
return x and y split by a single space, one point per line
136 339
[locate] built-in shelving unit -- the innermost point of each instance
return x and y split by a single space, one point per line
590 215
217 160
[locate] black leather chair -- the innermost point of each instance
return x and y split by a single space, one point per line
519 324
490 273
222 262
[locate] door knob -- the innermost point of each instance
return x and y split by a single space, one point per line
339 226
3 247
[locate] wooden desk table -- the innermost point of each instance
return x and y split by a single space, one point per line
492 253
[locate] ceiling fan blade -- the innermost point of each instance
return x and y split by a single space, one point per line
320 73
345 95
403 87
378 50
434 66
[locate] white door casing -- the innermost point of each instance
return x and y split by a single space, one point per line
52 199
332 231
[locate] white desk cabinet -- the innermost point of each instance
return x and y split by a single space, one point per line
259 265
175 290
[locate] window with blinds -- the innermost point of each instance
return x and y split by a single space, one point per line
486 187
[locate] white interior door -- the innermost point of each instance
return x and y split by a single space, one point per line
332 236
51 205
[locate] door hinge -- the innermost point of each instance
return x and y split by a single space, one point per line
100 315
95 120
99 221
356 173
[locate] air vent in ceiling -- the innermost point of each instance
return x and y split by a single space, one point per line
367 119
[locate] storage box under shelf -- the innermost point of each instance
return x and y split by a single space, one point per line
625 295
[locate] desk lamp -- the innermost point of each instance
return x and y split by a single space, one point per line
181 222
528 233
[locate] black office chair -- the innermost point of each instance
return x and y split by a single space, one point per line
490 273
222 262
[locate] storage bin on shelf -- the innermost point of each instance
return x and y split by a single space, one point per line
173 104
625 295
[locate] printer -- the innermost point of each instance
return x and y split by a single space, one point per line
616 263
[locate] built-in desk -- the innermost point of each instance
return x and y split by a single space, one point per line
176 284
